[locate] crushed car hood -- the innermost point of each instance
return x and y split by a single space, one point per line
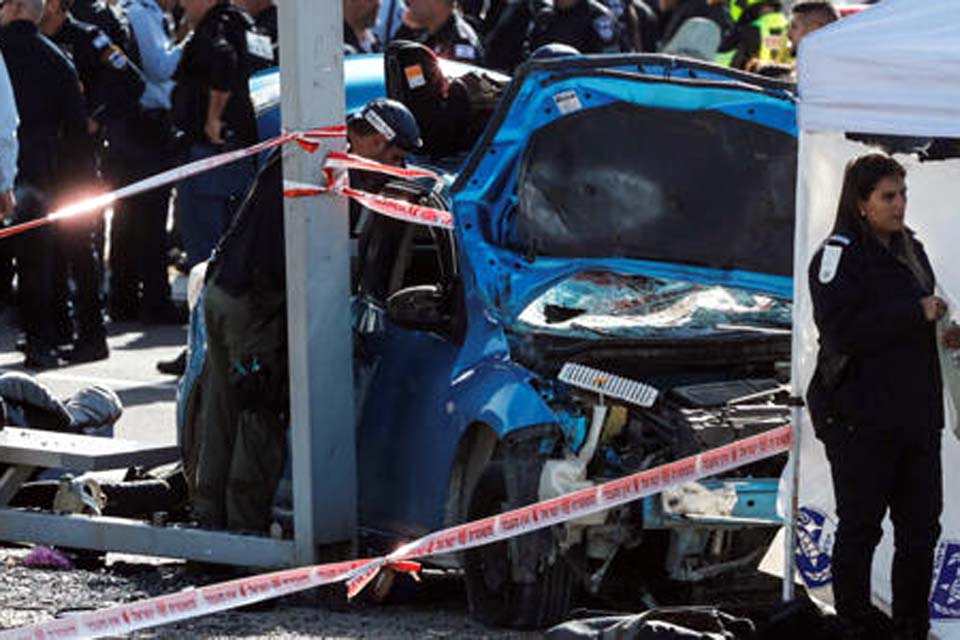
637 165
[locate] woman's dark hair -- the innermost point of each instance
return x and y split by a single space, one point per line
859 181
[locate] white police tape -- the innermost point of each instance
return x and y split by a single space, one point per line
193 603
306 139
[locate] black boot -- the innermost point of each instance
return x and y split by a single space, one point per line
89 350
175 367
910 629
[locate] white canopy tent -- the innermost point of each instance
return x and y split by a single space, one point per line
893 69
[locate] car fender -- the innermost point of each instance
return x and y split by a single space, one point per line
498 394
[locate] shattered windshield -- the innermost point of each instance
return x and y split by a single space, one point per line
592 304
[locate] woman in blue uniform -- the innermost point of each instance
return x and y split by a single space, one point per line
876 398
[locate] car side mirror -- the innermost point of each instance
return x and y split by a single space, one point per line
425 307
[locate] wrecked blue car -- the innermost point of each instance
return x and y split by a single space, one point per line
617 216
627 217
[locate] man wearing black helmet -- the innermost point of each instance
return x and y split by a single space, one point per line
242 444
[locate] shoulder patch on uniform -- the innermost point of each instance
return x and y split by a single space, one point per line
465 52
259 45
830 263
603 25
116 58
414 75
101 41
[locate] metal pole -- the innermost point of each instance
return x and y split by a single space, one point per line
792 506
792 498
318 324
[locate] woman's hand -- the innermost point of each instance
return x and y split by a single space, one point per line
934 308
951 337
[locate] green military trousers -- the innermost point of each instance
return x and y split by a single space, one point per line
242 434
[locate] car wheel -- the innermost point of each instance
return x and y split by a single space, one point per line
494 597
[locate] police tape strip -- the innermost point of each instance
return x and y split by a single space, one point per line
338 160
390 207
193 603
306 139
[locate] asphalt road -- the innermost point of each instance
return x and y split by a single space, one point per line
148 396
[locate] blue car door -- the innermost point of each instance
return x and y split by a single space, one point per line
405 417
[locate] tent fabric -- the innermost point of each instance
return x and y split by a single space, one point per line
890 69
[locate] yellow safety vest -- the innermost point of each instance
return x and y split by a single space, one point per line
774 44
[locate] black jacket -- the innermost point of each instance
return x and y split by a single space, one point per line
53 136
112 87
252 251
588 26
878 369
218 57
455 40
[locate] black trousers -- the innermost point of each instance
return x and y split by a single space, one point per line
871 475
138 235
81 261
36 255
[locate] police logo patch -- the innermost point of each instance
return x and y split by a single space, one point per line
603 25
115 58
815 536
945 597
829 263
464 52
259 45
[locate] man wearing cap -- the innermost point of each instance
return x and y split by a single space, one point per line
439 25
242 443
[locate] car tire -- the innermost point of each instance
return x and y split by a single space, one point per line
494 598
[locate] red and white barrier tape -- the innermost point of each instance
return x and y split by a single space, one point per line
390 207
193 603
306 139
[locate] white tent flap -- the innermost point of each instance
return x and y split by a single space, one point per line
890 69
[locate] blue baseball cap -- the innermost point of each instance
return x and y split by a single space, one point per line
393 121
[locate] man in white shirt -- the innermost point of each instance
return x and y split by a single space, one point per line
9 120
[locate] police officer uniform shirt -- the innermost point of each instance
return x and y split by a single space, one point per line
222 54
152 35
455 40
587 26
53 118
112 87
114 24
867 305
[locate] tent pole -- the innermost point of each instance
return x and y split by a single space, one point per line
793 501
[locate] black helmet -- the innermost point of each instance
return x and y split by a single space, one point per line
394 121
553 50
